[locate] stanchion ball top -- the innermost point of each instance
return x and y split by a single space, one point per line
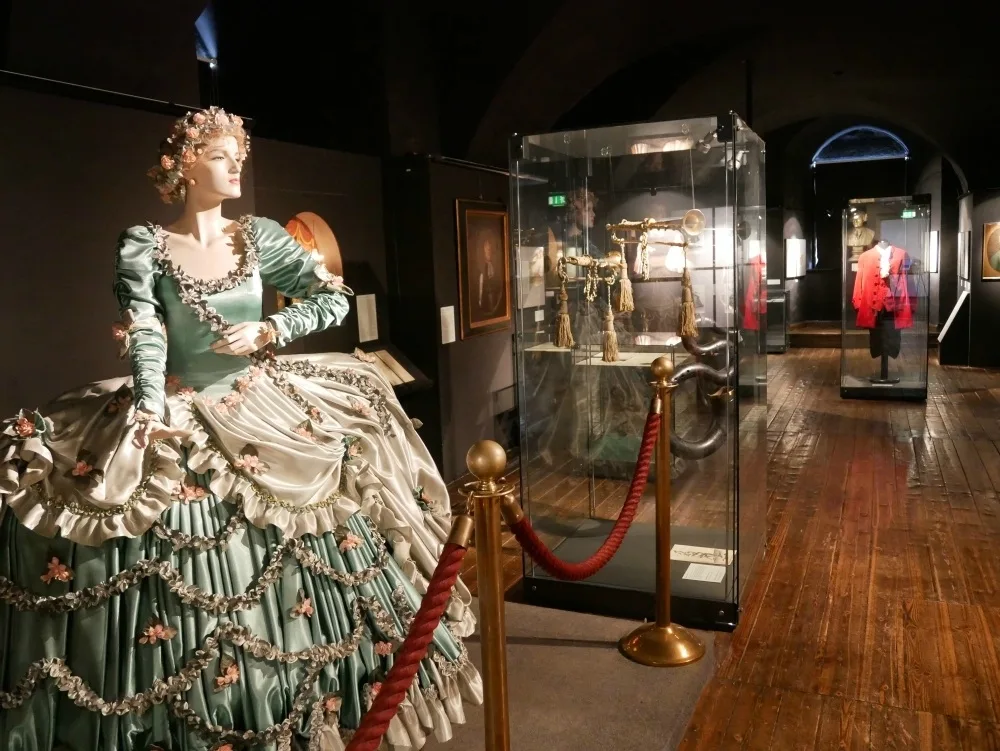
486 460
663 369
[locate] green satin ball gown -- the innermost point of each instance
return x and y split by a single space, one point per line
247 585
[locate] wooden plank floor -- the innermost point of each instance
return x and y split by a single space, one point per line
874 621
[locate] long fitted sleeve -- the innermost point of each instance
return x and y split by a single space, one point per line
295 272
142 317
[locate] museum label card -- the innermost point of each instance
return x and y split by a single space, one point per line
701 572
448 324
367 319
696 554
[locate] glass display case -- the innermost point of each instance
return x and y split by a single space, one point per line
777 319
886 299
634 242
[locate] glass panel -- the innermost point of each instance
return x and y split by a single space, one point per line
582 407
751 413
886 298
777 321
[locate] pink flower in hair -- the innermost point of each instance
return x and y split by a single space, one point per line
166 162
188 157
191 133
198 118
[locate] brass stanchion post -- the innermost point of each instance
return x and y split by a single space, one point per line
662 643
487 461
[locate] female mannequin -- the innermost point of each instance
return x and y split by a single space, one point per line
229 545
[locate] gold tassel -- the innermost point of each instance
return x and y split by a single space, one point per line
626 303
686 320
610 353
564 331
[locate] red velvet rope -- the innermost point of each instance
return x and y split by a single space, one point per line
407 659
575 571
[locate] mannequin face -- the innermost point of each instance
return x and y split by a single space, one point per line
216 174
581 208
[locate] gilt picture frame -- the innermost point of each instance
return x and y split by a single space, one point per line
991 252
484 285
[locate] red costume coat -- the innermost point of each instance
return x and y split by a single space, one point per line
873 293
755 300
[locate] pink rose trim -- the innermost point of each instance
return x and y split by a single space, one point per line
57 571
350 542
229 676
187 493
82 469
304 607
251 464
24 427
332 704
383 648
232 401
155 632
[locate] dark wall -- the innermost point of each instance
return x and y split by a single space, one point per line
985 311
117 45
66 193
346 191
954 350
423 278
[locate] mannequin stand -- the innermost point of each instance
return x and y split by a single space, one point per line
883 378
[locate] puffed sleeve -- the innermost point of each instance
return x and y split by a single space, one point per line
295 272
141 329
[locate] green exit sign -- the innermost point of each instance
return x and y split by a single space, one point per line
557 199
909 213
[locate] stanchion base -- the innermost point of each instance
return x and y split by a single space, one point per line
662 646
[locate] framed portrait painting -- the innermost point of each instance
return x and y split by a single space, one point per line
991 252
483 267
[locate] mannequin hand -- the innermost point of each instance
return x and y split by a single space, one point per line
151 428
243 338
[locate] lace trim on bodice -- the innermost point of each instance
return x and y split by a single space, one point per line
205 287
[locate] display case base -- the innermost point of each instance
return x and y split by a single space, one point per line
616 589
885 392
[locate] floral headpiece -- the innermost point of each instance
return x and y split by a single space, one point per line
186 143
